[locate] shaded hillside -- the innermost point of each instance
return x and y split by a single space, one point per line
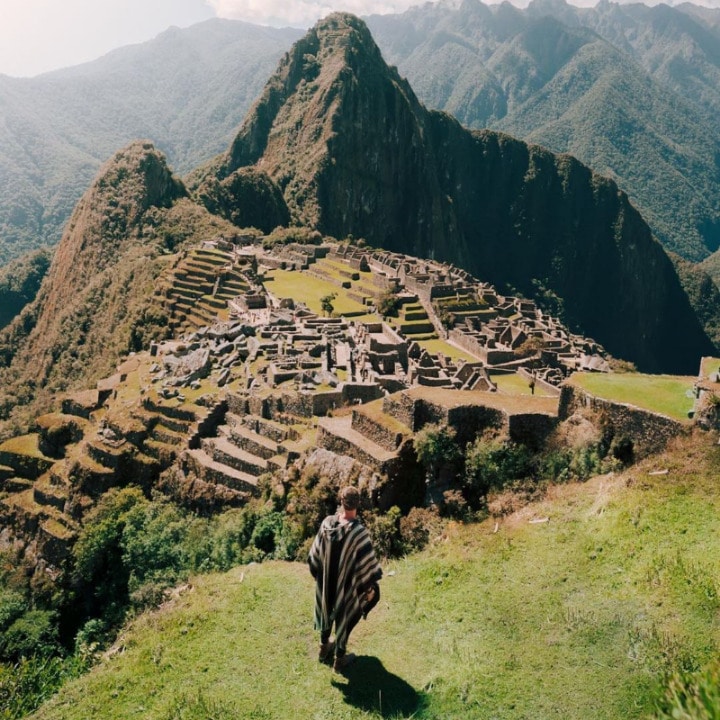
185 91
354 152
20 282
96 301
629 90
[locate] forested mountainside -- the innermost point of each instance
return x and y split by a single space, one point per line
185 91
354 152
630 90
95 303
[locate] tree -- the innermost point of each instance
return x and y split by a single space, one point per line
326 303
437 450
387 303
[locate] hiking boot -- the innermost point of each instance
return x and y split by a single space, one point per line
342 662
326 651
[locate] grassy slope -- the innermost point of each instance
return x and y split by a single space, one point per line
576 617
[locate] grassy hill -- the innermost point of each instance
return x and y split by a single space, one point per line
575 606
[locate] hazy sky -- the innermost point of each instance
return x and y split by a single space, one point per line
41 35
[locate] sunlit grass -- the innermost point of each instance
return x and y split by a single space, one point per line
670 395
302 287
578 616
445 348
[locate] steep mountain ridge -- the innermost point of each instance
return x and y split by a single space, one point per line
629 90
96 302
354 152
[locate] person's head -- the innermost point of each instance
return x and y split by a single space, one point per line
350 498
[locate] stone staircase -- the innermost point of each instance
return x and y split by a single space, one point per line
245 447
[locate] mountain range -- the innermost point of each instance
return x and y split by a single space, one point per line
629 90
186 90
339 143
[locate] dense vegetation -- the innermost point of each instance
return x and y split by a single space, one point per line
20 282
186 91
588 601
629 90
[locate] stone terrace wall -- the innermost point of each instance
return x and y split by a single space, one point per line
532 429
649 432
375 431
402 407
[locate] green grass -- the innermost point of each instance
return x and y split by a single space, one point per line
308 289
513 383
669 395
710 366
574 618
445 348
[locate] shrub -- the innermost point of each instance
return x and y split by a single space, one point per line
384 530
435 447
417 527
34 632
12 606
387 303
692 696
492 463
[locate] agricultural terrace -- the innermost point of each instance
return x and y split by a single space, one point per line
670 395
443 347
305 288
710 366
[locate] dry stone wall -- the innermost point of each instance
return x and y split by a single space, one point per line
649 432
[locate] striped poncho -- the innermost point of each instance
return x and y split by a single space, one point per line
344 565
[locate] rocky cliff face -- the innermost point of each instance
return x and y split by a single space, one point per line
354 152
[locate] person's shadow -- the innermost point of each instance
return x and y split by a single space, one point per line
372 688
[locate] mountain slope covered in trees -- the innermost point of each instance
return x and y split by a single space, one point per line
185 91
631 91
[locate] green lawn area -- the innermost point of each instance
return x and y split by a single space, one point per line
302 287
445 348
513 384
666 394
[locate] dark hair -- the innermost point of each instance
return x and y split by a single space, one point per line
350 497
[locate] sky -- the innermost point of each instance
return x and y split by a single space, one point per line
37 36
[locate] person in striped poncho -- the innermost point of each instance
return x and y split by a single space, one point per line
346 571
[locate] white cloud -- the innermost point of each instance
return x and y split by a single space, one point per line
302 13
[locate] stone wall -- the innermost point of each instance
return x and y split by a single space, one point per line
649 432
532 429
376 431
363 392
402 407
